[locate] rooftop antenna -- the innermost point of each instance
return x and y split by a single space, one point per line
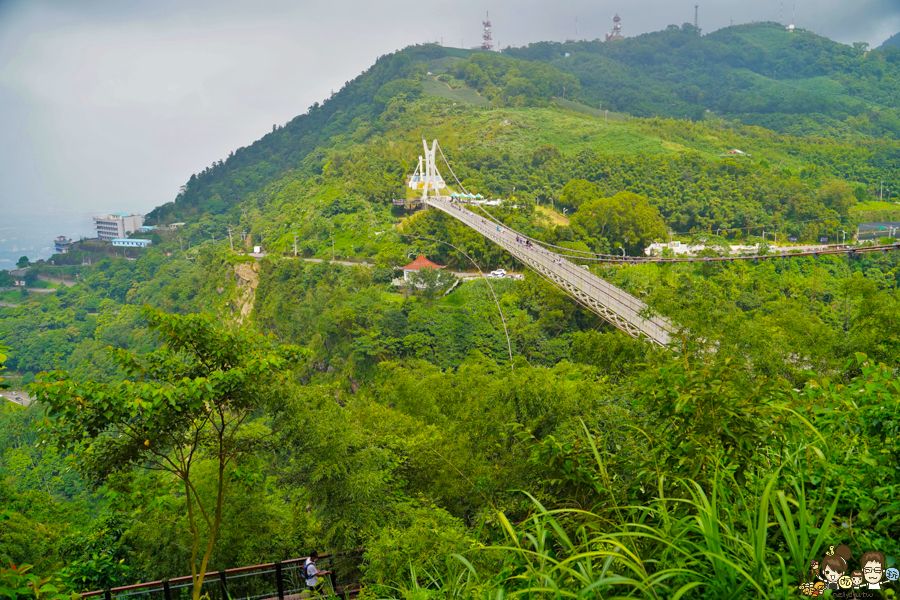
781 19
576 28
696 16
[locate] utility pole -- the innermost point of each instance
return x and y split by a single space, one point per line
845 236
332 248
606 118
295 245
882 191
230 241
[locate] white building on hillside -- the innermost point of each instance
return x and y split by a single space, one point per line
117 225
126 243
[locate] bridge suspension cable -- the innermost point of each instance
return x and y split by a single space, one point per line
611 303
616 306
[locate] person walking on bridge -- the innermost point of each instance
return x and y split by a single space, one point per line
311 573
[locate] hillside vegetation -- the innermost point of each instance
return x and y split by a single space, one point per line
495 439
894 40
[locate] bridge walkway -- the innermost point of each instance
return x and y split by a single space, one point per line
614 305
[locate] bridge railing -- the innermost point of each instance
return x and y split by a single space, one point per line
283 580
613 298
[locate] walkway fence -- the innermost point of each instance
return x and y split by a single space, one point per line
282 580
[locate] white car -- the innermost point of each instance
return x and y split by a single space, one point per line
499 273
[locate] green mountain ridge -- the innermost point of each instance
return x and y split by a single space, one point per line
894 40
500 440
818 91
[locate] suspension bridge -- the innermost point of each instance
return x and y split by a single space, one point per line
614 305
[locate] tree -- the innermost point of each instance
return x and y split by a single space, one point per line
190 401
626 219
579 191
837 195
22 262
431 281
31 277
3 351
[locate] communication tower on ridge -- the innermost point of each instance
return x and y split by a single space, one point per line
616 33
487 43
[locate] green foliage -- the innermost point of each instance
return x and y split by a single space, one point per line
838 196
894 40
714 416
625 219
799 83
429 282
417 540
405 429
3 356
190 400
17 583
510 82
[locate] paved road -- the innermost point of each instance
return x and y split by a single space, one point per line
36 290
316 260
18 397
9 305
65 282
337 262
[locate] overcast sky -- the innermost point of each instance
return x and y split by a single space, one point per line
113 104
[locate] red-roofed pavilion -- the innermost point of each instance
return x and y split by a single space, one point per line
420 263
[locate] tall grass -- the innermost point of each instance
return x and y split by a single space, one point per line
715 539
713 544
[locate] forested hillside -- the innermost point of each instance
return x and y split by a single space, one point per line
199 408
797 84
894 40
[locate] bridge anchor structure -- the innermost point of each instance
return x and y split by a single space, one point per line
614 305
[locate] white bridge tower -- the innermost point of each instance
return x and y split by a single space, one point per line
426 177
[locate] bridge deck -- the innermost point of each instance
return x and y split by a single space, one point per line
616 306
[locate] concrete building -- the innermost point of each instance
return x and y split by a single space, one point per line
62 244
126 243
117 225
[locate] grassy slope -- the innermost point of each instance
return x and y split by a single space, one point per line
465 95
514 131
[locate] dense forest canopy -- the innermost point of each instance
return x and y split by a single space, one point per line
488 437
894 40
